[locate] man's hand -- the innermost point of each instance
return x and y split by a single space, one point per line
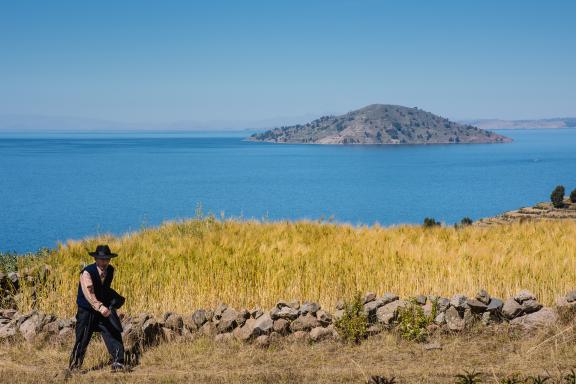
104 311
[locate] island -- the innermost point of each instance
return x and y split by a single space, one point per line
380 124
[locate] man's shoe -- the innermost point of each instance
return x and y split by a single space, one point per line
118 367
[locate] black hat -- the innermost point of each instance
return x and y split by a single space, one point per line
102 252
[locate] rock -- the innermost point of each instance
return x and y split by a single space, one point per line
371 307
483 297
256 313
208 329
530 306
281 304
224 337
168 334
13 278
338 314
219 311
199 317
263 325
281 326
443 304
300 336
8 313
454 320
262 341
486 318
8 330
476 306
420 299
495 305
432 346
320 333
30 327
428 308
388 313
304 323
340 305
571 296
246 332
274 337
287 313
459 302
151 331
309 307
188 323
52 328
543 318
566 310
389 297
511 309
174 322
440 319
523 296
228 320
368 297
324 318
294 304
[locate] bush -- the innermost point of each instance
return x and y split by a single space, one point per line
573 195
353 325
430 222
557 197
466 221
413 322
8 262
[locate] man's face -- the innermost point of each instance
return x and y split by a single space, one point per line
102 263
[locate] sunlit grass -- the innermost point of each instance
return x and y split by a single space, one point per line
181 266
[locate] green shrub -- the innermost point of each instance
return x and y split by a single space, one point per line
430 222
573 195
8 262
353 325
468 378
466 221
413 322
557 197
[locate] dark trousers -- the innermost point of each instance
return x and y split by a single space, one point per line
88 322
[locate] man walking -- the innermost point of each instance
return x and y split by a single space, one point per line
94 299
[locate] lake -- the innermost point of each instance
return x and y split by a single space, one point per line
55 187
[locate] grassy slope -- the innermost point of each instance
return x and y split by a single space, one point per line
199 263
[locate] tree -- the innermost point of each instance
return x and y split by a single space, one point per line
430 222
466 221
573 195
557 196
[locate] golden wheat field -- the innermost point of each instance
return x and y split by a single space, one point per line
181 266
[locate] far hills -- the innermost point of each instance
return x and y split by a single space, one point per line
380 124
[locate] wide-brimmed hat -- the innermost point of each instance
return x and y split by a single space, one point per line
102 252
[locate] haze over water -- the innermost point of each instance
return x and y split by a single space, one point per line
57 187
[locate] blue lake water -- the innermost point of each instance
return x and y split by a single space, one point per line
59 186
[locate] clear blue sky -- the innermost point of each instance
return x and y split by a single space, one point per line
154 61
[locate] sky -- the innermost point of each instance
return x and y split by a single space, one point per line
242 61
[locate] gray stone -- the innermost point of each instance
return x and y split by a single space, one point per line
571 296
300 336
281 326
287 313
262 341
304 323
199 317
566 310
224 337
523 296
246 332
294 304
428 309
443 304
219 311
420 299
530 306
440 319
511 309
309 307
371 308
320 333
338 314
388 297
13 277
543 318
486 318
208 329
228 320
8 330
368 297
432 346
476 306
175 323
454 320
389 312
495 305
263 324
459 302
324 318
32 326
483 297
256 313
340 305
151 330
188 323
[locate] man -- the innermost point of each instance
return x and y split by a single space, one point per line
94 299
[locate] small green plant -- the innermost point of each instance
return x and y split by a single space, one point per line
468 378
514 379
8 262
353 325
557 196
570 378
381 380
430 222
538 379
573 195
413 322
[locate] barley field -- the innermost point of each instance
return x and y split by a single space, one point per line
201 262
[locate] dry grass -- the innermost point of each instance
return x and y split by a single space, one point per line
180 266
496 355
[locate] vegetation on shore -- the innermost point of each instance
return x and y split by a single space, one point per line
201 262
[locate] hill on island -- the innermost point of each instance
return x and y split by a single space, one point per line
380 124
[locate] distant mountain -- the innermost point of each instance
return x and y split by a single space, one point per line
380 124
561 122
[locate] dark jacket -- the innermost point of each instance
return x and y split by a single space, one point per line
102 290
